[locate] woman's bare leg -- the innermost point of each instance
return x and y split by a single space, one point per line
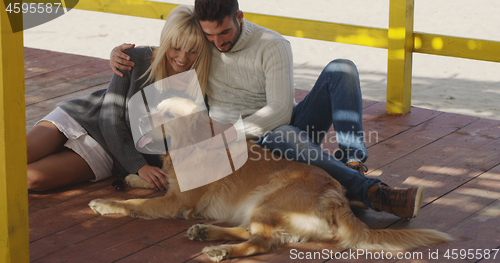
44 139
57 170
50 164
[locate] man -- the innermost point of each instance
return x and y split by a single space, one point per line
252 74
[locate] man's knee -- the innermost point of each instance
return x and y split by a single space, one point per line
342 63
344 67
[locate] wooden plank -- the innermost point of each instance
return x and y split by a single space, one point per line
459 204
478 233
470 214
124 240
387 126
282 254
441 166
47 62
68 237
456 170
70 73
460 207
419 136
455 157
379 126
177 248
28 52
75 211
300 252
86 230
39 201
372 111
400 48
69 87
37 111
14 232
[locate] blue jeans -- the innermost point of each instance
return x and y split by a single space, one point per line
335 99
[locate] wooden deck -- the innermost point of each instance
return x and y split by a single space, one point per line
455 157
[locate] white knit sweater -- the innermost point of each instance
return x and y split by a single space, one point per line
254 79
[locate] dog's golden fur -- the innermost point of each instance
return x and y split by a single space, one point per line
270 202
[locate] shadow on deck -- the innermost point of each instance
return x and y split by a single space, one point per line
455 157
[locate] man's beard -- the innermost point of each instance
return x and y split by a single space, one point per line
235 39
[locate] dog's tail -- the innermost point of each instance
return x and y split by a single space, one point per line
353 233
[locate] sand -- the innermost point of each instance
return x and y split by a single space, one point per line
447 84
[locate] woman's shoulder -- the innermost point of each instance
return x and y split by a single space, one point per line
140 53
141 56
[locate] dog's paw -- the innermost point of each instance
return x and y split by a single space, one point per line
216 254
133 180
101 206
198 233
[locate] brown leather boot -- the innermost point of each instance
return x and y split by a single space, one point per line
404 203
358 166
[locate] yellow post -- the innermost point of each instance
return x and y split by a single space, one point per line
400 45
14 227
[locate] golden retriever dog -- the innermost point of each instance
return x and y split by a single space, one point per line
269 203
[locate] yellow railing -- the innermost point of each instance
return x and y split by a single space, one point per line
399 39
14 233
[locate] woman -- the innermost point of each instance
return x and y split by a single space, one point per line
83 139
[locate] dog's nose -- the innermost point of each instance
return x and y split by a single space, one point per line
144 124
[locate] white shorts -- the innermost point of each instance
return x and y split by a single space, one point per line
81 143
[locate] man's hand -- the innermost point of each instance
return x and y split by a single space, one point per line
120 60
155 176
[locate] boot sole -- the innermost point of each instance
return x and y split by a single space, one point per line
418 201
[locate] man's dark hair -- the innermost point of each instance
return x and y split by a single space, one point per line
215 10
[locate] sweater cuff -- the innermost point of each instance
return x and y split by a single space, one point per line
133 167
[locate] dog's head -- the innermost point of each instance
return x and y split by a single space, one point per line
197 155
179 120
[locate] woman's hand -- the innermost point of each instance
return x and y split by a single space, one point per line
120 60
155 176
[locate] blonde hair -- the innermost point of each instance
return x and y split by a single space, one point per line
182 30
